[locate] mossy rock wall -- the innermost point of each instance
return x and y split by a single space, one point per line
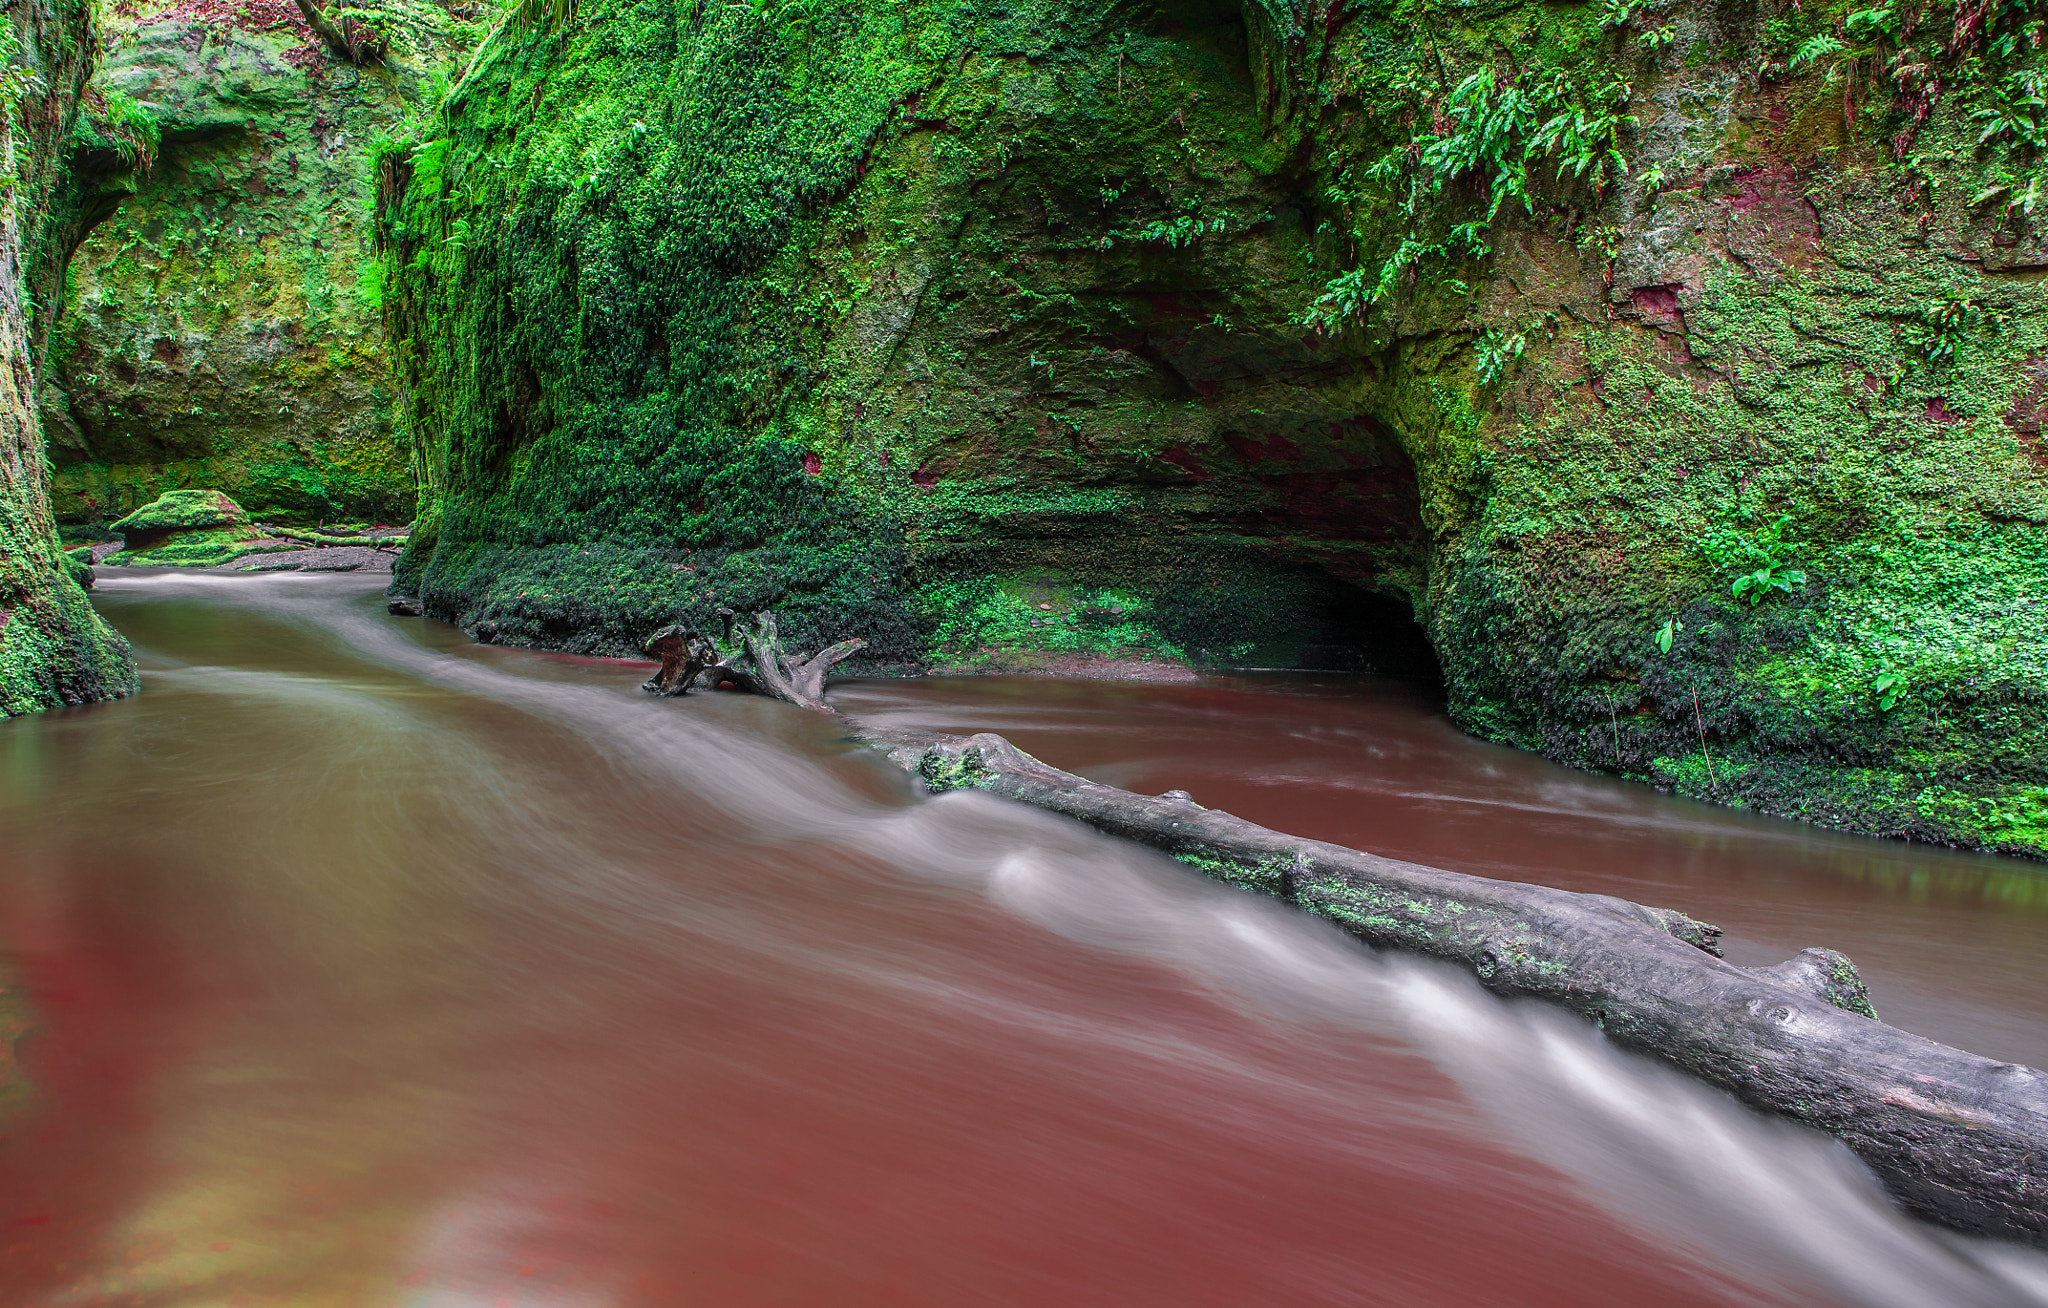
223 327
54 649
982 334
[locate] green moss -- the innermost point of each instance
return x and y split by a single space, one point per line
183 510
213 333
943 771
54 649
926 324
1845 989
1268 876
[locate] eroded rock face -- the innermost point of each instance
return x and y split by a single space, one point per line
998 338
224 326
54 649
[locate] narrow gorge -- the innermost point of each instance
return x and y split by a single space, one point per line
1653 389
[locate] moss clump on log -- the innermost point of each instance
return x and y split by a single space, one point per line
183 528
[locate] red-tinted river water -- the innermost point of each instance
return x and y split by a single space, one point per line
374 967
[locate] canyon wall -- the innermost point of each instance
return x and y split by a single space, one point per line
222 324
54 649
1677 371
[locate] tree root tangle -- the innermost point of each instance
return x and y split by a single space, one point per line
347 39
1955 1138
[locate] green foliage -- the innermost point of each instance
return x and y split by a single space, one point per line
371 287
1759 553
548 15
1938 330
1879 22
1505 138
1502 132
1496 354
110 118
973 619
2009 111
2019 818
1180 231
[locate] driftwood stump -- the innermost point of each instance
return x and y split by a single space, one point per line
755 662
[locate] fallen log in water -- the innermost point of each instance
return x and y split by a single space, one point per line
321 540
1956 1138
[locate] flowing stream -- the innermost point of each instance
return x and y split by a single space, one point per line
372 966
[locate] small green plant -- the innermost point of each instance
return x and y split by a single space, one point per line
1887 687
1617 14
550 15
1937 331
1878 23
1815 49
130 126
1666 634
1606 239
1758 585
1761 557
1184 230
2016 816
1497 354
2009 111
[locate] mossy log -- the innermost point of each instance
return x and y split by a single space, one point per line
1956 1138
322 540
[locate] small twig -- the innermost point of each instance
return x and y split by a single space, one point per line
1701 722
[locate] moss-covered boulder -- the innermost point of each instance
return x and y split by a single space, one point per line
1690 405
183 528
